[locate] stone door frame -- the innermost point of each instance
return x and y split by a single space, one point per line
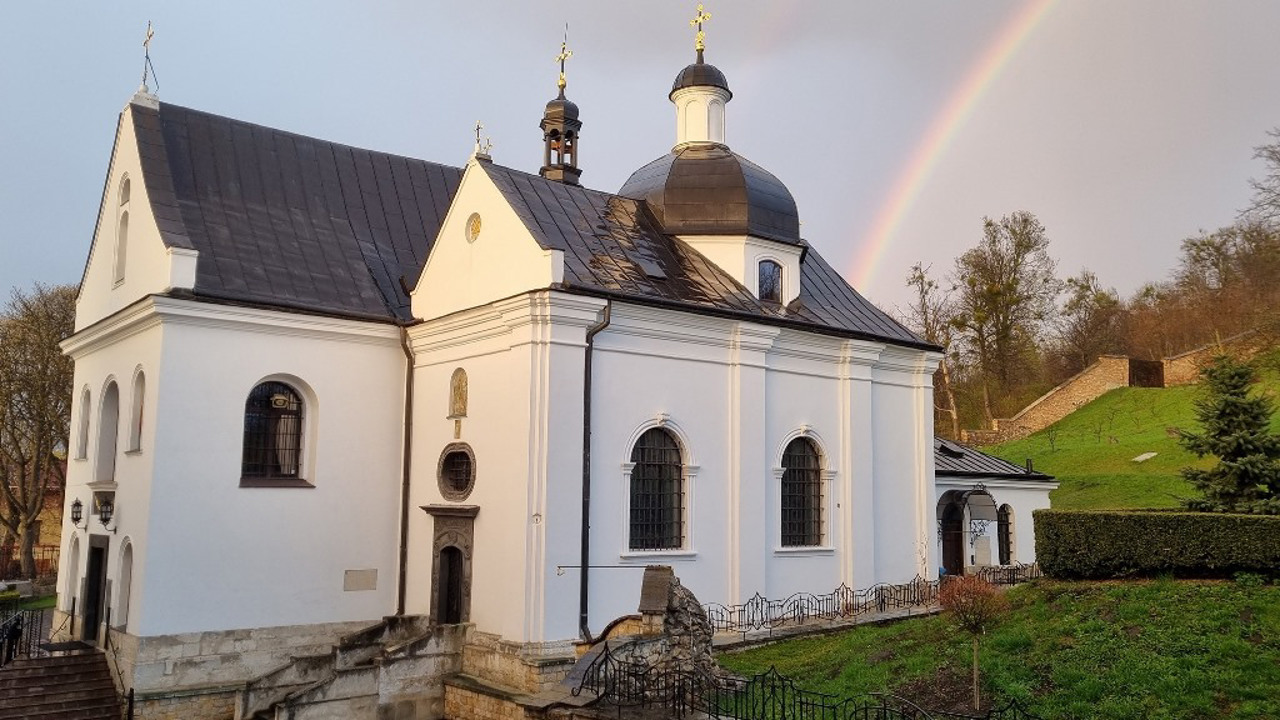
454 527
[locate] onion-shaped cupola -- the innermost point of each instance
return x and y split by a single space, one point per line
702 187
560 127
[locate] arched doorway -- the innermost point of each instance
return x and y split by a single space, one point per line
449 593
965 519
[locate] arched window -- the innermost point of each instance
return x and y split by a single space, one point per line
770 286
108 433
82 432
1004 534
126 584
122 232
657 492
273 417
135 415
801 494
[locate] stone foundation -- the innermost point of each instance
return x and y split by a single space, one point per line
463 701
215 704
525 668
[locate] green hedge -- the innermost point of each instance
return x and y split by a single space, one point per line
1118 543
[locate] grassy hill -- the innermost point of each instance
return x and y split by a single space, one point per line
1111 650
1091 451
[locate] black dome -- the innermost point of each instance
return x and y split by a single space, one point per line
707 189
700 73
561 107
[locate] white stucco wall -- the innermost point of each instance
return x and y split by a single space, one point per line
209 554
150 267
129 343
740 256
467 270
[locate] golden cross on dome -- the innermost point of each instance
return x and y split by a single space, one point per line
146 44
697 21
565 54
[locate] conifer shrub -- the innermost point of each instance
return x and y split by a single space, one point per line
1128 543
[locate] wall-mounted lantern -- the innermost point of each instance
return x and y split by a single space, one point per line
106 510
77 514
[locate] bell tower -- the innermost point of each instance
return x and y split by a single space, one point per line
560 127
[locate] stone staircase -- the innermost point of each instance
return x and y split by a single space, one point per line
395 667
72 686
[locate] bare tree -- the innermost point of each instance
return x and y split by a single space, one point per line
1266 190
1006 290
35 407
931 315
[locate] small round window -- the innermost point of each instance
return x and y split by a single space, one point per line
457 472
473 227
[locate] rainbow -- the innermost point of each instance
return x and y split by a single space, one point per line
934 142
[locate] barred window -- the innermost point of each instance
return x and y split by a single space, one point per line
272 432
456 471
801 494
657 492
770 281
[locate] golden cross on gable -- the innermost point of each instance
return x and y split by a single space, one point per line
150 34
697 21
565 54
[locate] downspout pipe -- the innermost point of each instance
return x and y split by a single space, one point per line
585 564
407 455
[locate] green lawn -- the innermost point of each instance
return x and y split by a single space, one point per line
1135 649
1091 451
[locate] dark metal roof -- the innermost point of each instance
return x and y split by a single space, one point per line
700 74
956 460
561 108
290 221
707 189
614 246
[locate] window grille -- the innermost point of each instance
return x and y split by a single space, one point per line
657 492
770 281
272 432
801 494
457 471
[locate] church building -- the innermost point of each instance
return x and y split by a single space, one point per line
318 385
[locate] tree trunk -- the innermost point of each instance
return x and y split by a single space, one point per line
986 404
951 401
977 697
27 533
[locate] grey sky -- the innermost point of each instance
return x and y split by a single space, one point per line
1125 126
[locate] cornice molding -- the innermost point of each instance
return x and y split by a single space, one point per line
158 309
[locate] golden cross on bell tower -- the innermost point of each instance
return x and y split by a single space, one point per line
699 43
565 54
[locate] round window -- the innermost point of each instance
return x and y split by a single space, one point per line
473 227
457 472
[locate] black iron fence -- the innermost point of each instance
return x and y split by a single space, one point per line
1009 574
844 603
20 635
629 687
46 558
